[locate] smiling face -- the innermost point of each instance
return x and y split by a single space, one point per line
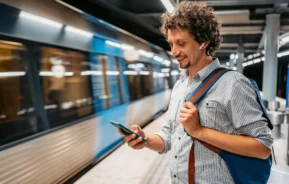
185 48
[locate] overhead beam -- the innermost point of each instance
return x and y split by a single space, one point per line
242 2
235 50
236 45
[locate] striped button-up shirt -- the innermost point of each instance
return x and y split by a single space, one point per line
230 106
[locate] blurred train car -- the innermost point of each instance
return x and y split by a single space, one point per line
63 76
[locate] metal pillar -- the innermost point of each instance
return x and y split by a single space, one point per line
240 56
270 68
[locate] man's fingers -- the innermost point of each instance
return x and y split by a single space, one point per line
184 110
134 128
134 142
128 138
189 105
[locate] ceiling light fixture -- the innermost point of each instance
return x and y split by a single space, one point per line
168 5
39 19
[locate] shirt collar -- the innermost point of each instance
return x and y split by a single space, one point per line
204 72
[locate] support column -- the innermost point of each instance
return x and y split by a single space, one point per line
231 61
270 68
240 56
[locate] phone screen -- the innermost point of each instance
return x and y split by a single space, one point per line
126 130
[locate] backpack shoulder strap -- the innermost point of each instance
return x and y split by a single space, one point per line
199 93
257 91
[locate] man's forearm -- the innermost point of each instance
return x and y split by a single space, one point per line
155 143
242 145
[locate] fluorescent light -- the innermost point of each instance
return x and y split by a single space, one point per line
78 31
281 54
11 74
232 56
244 64
234 68
112 72
145 53
175 61
167 63
144 72
51 74
249 63
285 40
157 58
52 106
161 75
68 74
174 72
129 72
230 12
263 58
168 5
165 70
257 60
114 44
227 64
256 55
21 112
39 19
91 73
127 47
250 56
67 105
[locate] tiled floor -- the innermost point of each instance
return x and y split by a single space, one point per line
127 166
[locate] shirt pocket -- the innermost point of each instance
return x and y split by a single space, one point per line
210 110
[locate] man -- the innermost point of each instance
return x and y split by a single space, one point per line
229 117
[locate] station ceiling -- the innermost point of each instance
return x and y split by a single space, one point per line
242 20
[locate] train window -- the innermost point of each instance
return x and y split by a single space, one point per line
140 79
65 85
99 84
113 80
17 117
159 81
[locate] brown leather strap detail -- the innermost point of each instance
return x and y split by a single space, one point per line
205 86
210 147
191 168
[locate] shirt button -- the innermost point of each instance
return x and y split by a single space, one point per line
179 138
175 176
176 157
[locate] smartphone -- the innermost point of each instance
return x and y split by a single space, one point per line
126 130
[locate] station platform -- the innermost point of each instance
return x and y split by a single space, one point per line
128 166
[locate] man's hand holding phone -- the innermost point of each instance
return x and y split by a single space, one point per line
132 140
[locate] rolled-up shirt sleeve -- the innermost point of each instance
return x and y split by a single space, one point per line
165 134
167 127
246 113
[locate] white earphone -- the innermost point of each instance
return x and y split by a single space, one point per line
202 45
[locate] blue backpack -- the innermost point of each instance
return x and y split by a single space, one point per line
244 170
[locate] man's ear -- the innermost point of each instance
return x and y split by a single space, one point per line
205 44
201 47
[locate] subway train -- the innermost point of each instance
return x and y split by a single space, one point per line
63 76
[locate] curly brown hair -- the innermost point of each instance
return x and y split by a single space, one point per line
198 19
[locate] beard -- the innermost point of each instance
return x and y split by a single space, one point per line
185 65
